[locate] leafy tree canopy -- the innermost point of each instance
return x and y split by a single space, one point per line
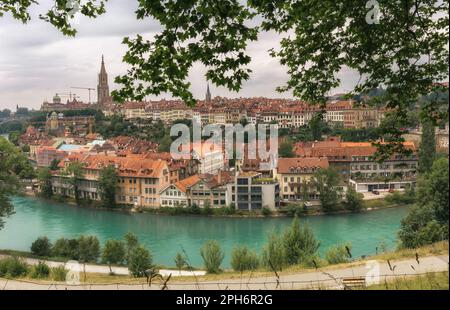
400 46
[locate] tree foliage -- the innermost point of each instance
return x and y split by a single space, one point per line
400 46
107 185
300 244
139 261
42 247
75 172
427 150
45 182
286 149
353 200
427 221
180 261
273 253
88 249
326 182
12 165
113 252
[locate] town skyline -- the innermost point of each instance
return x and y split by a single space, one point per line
42 62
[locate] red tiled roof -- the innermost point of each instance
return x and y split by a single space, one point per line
285 165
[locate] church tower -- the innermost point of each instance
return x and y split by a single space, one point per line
208 94
102 87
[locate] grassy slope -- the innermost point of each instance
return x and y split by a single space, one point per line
439 248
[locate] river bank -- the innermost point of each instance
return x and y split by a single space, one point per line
227 212
413 262
165 236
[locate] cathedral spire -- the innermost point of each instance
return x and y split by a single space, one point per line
208 94
102 87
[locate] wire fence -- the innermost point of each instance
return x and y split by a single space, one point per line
331 282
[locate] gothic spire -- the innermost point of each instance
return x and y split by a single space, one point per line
208 94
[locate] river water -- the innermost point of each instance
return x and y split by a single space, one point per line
166 235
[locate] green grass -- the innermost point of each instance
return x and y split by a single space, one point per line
25 254
428 281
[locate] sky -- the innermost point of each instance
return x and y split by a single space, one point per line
37 61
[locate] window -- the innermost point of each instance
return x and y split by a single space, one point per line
242 181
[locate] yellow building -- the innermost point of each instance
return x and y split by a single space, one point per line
294 176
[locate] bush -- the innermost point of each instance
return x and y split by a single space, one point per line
207 210
139 261
273 253
113 253
180 261
338 254
212 256
244 259
194 209
58 273
295 210
88 249
407 197
354 200
41 247
67 248
40 271
266 211
13 267
300 244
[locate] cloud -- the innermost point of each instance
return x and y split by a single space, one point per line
37 61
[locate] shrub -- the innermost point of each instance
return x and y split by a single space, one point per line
273 253
67 248
244 259
300 244
207 210
180 261
139 261
131 242
40 271
354 200
88 249
13 267
407 197
58 273
41 247
266 211
212 256
338 254
295 210
113 253
194 209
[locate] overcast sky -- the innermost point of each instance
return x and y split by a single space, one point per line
37 61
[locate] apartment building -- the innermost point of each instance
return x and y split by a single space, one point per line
294 176
201 190
356 164
176 194
45 155
251 192
133 110
139 180
362 117
211 158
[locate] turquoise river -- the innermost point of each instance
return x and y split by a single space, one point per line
166 235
